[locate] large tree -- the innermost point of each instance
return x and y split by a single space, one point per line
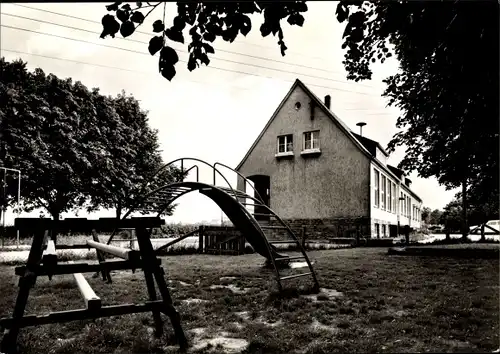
39 137
426 213
130 156
74 146
447 85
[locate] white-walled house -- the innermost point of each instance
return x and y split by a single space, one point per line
314 172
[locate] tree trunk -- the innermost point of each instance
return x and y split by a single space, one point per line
465 231
55 217
118 210
483 236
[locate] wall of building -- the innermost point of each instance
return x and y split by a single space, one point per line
333 185
381 216
321 229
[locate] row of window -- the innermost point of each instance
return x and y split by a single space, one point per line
385 193
385 197
310 141
416 213
385 230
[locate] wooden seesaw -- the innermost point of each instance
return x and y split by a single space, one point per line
42 261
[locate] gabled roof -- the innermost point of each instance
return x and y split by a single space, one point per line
370 145
336 120
318 103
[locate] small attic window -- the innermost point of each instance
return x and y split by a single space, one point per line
297 106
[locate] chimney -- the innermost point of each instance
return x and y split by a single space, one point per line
328 101
360 125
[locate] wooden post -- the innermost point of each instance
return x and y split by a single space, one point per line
483 235
26 282
92 301
123 253
303 235
200 239
106 276
150 266
49 258
242 243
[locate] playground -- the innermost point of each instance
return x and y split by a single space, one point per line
370 302
277 299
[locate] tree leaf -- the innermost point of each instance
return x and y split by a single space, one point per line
137 17
204 59
265 29
169 55
296 19
301 6
110 26
209 36
342 12
174 35
127 28
155 44
138 4
158 26
113 7
192 64
122 15
283 47
126 7
167 70
208 48
245 25
179 23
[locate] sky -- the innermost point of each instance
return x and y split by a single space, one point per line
213 113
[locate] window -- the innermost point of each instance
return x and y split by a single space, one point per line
377 230
401 209
389 196
311 140
383 231
382 194
376 189
285 143
394 198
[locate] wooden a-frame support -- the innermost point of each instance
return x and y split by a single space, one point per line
40 263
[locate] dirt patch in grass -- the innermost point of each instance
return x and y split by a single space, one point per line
389 304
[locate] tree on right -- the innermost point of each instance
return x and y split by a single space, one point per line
446 86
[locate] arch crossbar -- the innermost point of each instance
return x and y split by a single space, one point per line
142 196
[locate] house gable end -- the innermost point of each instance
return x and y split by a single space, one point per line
275 114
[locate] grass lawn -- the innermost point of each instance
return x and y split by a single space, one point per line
371 302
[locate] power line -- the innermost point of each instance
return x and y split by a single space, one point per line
110 67
149 34
142 53
131 70
184 51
